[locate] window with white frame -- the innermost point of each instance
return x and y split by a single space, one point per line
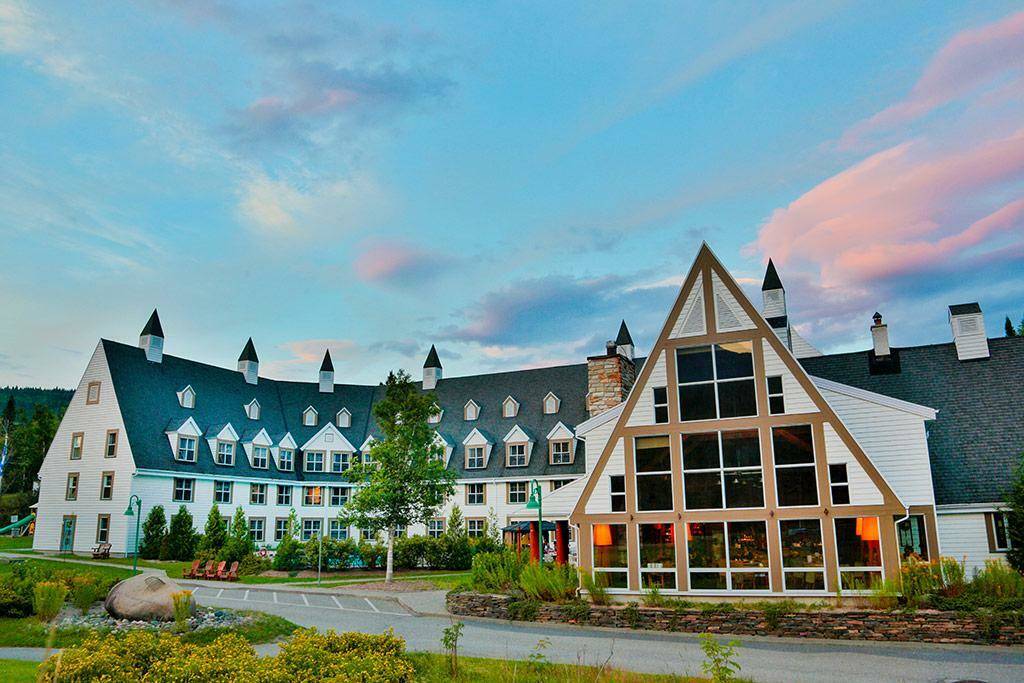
510 407
183 490
343 419
435 528
312 495
471 411
187 398
716 381
285 459
611 563
339 495
340 461
312 528
314 461
225 453
803 560
722 470
1000 523
186 449
252 410
261 457
284 494
729 556
257 529
653 473
475 494
516 492
516 455
839 483
222 491
309 417
657 556
257 494
561 453
796 481
776 397
337 531
280 528
859 552
660 397
617 486
551 404
474 457
476 527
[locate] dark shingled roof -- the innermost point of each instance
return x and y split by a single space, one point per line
961 309
249 352
977 440
153 326
327 365
432 360
623 338
771 278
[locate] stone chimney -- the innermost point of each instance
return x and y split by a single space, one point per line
151 340
249 363
879 336
609 378
968 331
327 374
431 370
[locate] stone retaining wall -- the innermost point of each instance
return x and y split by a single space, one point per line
927 626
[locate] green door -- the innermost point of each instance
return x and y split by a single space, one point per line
67 535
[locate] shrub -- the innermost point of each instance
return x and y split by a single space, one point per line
953 575
48 599
182 610
719 660
998 579
85 590
631 613
154 530
239 543
549 583
310 655
371 554
497 572
411 551
289 555
523 609
597 589
456 553
652 597
215 533
181 538
13 603
434 554
577 611
253 565
485 544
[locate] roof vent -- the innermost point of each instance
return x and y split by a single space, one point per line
968 326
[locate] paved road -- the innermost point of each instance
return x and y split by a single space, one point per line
766 660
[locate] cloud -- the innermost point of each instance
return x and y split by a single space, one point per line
970 60
396 263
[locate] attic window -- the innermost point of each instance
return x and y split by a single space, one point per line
551 404
435 418
309 417
187 397
252 410
510 407
343 418
92 393
471 411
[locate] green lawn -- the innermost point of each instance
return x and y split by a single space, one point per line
17 671
433 668
8 543
111 572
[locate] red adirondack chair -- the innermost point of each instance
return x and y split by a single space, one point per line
232 574
222 572
194 571
205 572
211 574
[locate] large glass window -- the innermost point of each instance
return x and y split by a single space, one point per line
653 473
795 480
722 469
859 552
716 381
913 540
728 556
803 562
611 563
657 556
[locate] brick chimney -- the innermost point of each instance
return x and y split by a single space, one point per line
610 376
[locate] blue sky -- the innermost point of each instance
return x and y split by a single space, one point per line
504 180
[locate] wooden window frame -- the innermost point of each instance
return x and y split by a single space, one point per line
813 465
216 453
656 404
833 485
305 461
544 403
715 381
316 417
89 401
483 457
195 448
551 452
310 489
330 495
266 459
106 443
565 482
526 453
818 569
98 519
263 531
291 461
67 485
348 419
780 394
191 490
276 521
515 408
284 487
476 411
302 528
723 472
103 476
430 532
990 533
483 526
81 445
341 527
231 491
256 487
466 492
508 492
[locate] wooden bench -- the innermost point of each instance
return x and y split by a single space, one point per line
101 552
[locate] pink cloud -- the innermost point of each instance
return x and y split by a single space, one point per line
397 263
971 59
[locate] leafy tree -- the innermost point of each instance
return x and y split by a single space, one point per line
1011 331
215 534
7 421
289 554
154 530
405 482
28 442
456 524
1015 519
181 538
239 544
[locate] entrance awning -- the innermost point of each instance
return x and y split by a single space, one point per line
524 527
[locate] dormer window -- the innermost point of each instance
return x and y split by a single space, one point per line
509 407
187 397
260 457
252 410
515 455
435 418
343 419
225 453
285 459
309 417
471 411
551 404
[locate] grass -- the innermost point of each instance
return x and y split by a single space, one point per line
18 543
17 671
433 668
113 572
265 629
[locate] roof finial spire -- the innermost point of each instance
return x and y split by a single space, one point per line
327 365
249 352
432 360
153 326
771 278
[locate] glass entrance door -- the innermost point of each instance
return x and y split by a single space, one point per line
67 535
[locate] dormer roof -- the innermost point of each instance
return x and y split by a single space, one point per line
249 352
153 327
432 360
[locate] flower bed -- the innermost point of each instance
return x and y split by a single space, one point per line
929 626
204 618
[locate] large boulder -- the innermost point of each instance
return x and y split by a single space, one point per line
144 597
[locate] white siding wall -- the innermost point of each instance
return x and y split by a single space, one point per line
796 399
894 440
643 411
963 536
691 316
94 420
600 498
862 490
728 312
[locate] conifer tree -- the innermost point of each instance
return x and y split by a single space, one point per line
239 544
1011 331
181 537
154 530
216 532
1015 520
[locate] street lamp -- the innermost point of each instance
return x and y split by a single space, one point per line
534 504
137 513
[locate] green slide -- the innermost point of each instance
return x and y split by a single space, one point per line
17 525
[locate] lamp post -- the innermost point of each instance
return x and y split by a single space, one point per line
137 513
534 504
